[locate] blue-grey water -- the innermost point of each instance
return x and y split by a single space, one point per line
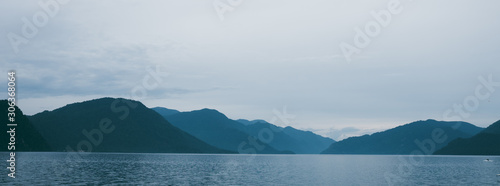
189 169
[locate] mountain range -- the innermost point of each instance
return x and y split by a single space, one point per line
122 125
218 130
289 138
114 125
423 136
27 138
487 142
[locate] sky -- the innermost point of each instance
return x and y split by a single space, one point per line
340 67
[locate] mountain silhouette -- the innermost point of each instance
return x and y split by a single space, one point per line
289 138
247 122
165 111
216 129
420 136
114 125
27 138
487 142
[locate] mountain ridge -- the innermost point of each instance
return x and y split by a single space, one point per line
218 130
487 142
208 124
114 125
405 139
27 137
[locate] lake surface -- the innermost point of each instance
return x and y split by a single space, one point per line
188 169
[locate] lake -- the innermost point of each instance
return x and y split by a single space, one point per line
48 168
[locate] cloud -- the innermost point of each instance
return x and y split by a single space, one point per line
339 134
264 55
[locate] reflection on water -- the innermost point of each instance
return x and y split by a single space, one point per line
182 169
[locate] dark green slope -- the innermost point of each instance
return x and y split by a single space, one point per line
164 111
487 142
247 122
27 137
288 138
114 125
216 129
405 139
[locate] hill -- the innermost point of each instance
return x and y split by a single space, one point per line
487 142
220 131
424 136
216 129
289 138
165 111
27 138
247 122
114 125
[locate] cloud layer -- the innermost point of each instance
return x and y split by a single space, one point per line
264 55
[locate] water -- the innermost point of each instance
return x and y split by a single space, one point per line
185 169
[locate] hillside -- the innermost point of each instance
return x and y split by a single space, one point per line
114 125
487 142
289 138
216 129
164 111
27 137
424 136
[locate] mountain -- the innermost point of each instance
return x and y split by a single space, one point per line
27 137
114 125
423 136
493 128
165 111
288 138
216 129
487 142
247 122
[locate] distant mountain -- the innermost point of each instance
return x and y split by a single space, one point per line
216 129
247 122
27 138
114 125
487 142
288 138
424 136
493 128
165 111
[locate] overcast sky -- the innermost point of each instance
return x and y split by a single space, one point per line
263 55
